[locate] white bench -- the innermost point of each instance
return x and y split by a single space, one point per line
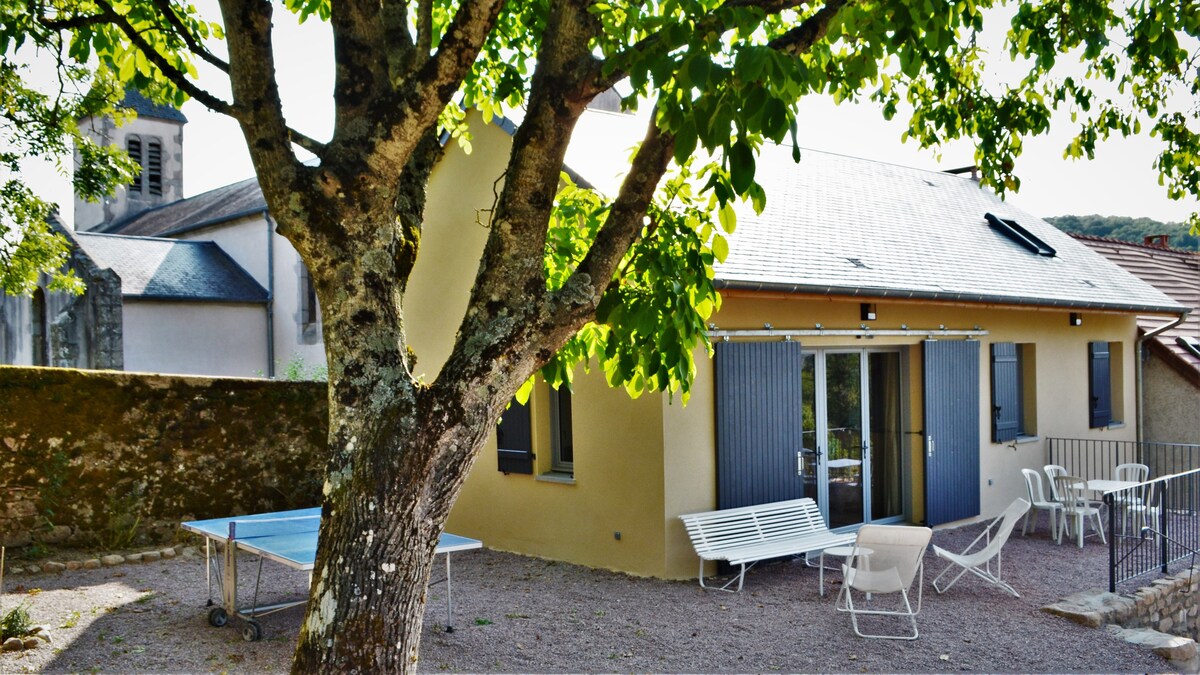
749 534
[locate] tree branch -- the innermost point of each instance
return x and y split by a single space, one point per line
400 51
176 76
801 38
425 27
624 222
307 142
164 6
661 41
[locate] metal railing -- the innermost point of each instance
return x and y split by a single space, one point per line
1151 525
1088 458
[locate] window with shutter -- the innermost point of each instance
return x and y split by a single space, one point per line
1006 392
1099 385
561 443
514 440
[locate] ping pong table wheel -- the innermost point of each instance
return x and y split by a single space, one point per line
217 617
252 631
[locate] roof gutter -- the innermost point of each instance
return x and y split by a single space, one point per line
944 296
1140 351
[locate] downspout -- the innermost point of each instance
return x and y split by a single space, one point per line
1140 353
270 295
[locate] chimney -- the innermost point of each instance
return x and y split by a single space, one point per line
1158 240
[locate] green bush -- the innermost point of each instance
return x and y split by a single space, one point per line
15 623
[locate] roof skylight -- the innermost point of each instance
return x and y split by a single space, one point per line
1020 235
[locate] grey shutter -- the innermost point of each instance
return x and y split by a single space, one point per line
1099 385
514 440
1006 394
759 422
951 430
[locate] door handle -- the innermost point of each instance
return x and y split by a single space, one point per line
800 463
929 446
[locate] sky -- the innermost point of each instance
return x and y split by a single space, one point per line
1120 181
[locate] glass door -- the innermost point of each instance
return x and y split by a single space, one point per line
851 456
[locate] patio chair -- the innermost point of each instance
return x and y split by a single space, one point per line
1140 508
979 562
1038 502
1073 491
885 560
1132 472
1054 471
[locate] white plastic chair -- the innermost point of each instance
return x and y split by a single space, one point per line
1077 507
979 562
1140 508
1132 472
1037 498
897 556
1054 471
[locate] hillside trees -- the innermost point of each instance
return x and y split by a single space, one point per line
568 275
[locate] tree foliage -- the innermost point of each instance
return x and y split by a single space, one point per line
568 275
1125 228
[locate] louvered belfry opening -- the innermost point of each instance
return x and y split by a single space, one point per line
133 145
153 167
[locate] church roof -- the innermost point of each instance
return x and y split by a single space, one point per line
171 269
144 107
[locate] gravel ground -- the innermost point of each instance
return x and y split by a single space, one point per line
518 614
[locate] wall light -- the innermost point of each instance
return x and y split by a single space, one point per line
868 311
1076 319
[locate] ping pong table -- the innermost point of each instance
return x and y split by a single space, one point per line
286 537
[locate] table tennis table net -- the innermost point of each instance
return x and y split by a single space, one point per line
255 528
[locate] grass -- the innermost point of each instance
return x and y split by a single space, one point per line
16 623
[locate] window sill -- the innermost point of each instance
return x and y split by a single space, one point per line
1115 425
557 477
1021 440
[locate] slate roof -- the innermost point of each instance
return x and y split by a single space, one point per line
837 225
237 200
1172 271
144 107
168 269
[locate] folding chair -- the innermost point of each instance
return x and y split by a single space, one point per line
885 560
979 563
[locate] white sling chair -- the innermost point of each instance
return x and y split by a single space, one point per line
885 560
979 562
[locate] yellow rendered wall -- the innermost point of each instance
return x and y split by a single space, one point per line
1060 391
618 479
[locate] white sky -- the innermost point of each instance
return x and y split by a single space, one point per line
1120 181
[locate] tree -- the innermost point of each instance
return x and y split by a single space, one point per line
1127 229
567 275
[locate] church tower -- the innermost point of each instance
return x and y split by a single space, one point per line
155 141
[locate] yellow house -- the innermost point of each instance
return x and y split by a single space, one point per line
895 343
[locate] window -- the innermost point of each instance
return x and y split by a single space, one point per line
310 313
1105 384
39 327
542 427
562 446
1014 391
1021 236
514 439
148 156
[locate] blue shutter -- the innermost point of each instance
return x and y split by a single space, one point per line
951 430
759 422
1006 394
514 440
1099 385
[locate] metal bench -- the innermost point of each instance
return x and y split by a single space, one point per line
749 534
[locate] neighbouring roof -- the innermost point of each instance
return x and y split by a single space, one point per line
144 107
836 225
237 200
1172 271
168 269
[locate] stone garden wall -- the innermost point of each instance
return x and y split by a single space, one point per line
114 459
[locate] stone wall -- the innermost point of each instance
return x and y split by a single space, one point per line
112 459
1168 605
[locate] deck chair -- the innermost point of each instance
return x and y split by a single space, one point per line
979 562
885 560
